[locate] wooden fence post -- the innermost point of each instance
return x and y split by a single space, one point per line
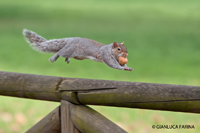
80 118
71 118
66 123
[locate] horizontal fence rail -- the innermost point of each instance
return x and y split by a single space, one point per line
167 97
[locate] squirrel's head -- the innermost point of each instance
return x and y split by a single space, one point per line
118 49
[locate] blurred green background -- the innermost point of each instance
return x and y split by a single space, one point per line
162 38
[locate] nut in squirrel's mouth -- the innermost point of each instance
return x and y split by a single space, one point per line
122 60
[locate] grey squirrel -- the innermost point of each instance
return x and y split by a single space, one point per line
80 49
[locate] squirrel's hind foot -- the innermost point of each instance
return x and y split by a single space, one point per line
51 60
67 60
54 58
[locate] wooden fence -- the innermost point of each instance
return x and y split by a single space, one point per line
73 116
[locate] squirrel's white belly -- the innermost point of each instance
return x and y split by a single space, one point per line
86 57
91 57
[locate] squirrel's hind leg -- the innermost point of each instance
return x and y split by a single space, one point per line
67 60
54 58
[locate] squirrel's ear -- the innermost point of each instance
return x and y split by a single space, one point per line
122 43
114 45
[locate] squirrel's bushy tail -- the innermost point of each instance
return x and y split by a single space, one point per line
34 39
41 44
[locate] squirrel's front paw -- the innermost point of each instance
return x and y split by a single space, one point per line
128 69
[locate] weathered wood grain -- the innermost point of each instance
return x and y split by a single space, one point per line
146 96
34 87
180 98
88 120
49 124
66 123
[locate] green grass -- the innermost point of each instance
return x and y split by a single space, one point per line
162 38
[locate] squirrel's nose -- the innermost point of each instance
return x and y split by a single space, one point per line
126 54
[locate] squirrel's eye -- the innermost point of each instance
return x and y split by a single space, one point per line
118 49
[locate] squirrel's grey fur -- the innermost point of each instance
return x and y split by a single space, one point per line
79 48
